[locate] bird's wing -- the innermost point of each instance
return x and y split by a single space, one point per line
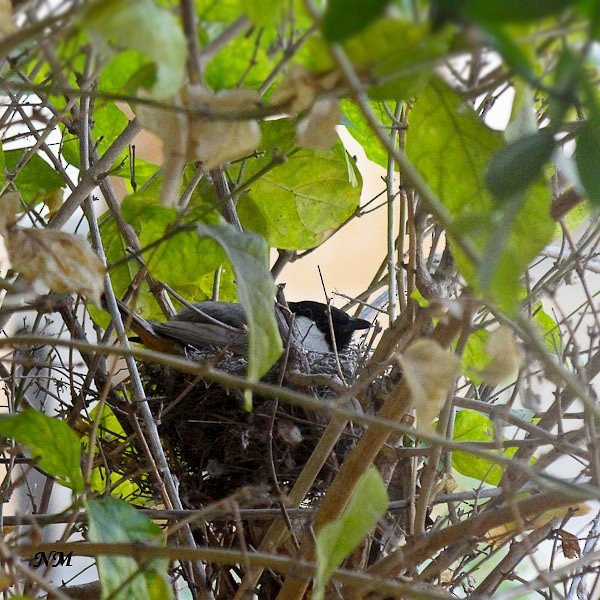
202 335
213 313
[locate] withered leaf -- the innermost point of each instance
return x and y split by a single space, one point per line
62 261
317 129
505 355
430 372
570 544
199 135
7 25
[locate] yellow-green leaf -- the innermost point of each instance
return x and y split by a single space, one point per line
145 26
114 521
50 441
336 540
249 256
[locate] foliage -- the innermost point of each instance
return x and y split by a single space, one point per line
111 521
340 537
482 256
50 441
471 426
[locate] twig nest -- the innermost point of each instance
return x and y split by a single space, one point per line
216 447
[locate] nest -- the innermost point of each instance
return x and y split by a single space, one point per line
216 447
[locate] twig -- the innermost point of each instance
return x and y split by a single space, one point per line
276 562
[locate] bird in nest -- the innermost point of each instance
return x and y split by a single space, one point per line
317 326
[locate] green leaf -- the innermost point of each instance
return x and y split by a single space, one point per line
120 70
264 13
344 18
504 217
168 260
550 329
143 172
517 55
249 255
515 10
69 147
587 157
114 521
523 119
337 539
441 125
110 432
69 52
590 9
109 122
223 11
520 162
362 132
569 76
501 11
419 299
474 356
36 180
102 480
159 586
243 58
147 27
107 119
399 56
300 203
121 577
471 426
51 442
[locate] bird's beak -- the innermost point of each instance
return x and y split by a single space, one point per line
356 324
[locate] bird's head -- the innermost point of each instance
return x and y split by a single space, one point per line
312 319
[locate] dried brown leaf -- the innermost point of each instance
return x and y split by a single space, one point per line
448 483
7 25
195 136
502 533
570 544
62 261
299 88
297 91
54 200
317 129
505 355
446 577
6 581
430 372
9 205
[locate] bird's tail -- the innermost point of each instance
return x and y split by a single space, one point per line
145 331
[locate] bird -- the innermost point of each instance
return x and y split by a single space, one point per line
223 324
312 319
